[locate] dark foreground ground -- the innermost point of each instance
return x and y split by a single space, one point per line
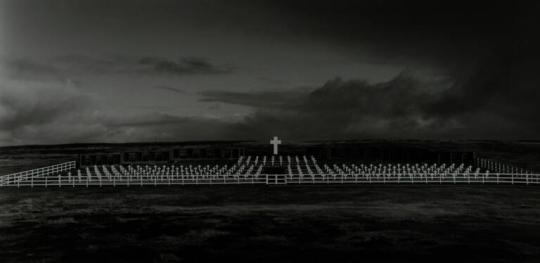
272 224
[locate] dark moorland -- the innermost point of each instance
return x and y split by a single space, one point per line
271 224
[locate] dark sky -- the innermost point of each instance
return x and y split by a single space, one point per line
163 70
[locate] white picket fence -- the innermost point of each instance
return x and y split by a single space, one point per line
411 178
63 179
66 175
15 179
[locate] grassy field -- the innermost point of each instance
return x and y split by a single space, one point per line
271 224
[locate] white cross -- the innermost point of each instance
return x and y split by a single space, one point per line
275 142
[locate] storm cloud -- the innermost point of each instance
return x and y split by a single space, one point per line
34 112
87 71
143 65
60 67
480 106
182 66
64 114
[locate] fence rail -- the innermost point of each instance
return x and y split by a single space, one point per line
63 179
17 178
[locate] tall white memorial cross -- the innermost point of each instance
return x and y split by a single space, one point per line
275 142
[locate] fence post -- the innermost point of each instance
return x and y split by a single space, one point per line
512 178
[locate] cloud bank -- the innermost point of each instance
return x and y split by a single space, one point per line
59 68
408 106
496 100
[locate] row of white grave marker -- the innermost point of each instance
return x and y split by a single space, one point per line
248 170
274 160
499 166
